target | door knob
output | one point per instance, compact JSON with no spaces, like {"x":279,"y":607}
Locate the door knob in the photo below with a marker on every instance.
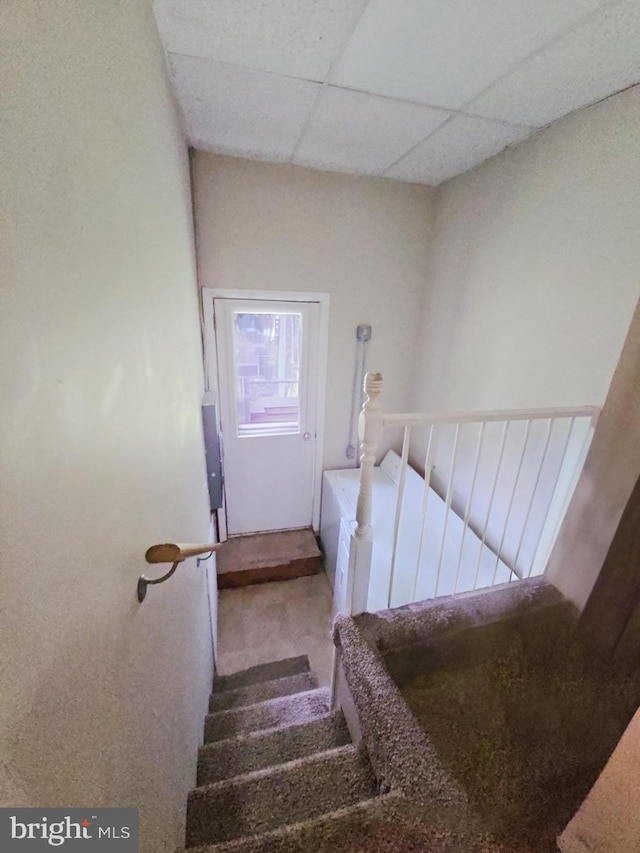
{"x":306,"y":436}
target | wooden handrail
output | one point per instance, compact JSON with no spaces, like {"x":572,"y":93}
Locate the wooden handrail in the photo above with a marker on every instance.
{"x":172,"y":553}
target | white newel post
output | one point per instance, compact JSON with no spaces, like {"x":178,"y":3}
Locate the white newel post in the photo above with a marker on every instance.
{"x":370,"y":428}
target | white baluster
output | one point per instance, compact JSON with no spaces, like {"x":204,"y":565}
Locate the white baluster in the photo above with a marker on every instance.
{"x":423,"y":513}
{"x":527,"y":433}
{"x":448,"y":501}
{"x":399,"y":501}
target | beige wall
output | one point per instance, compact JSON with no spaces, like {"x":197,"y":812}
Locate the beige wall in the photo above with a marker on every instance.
{"x":102,"y":700}
{"x":608,"y":821}
{"x":532,"y":283}
{"x":534,"y":268}
{"x":363,"y":240}
{"x":610,"y":473}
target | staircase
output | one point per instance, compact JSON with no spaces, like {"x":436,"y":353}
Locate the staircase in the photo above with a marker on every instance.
{"x":276,"y":760}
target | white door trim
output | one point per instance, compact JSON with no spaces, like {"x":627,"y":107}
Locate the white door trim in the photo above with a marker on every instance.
{"x":211,"y":366}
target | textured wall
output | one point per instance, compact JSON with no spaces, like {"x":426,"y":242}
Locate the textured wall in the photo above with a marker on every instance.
{"x":534,"y":268}
{"x":363,"y":240}
{"x":609,"y":820}
{"x":532,"y":283}
{"x":610,"y":473}
{"x":102,"y":700}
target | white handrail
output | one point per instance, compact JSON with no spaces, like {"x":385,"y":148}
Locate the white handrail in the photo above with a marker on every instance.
{"x":491,"y":520}
{"x":415,"y":419}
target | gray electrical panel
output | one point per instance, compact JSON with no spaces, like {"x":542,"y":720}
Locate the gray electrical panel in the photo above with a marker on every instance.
{"x":212,"y":450}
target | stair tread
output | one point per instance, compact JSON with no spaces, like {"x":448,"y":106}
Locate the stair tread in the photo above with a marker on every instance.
{"x":244,"y":753}
{"x":262,"y":672}
{"x":315,"y":827}
{"x":281,"y":711}
{"x":266,"y":550}
{"x":383,"y":823}
{"x":277,"y":701}
{"x":319,"y":757}
{"x":251,"y":694}
{"x":242,"y":737}
{"x":275,"y":796}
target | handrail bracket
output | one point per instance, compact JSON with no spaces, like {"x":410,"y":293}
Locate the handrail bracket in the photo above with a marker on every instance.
{"x":143,"y":582}
{"x":171,"y":553}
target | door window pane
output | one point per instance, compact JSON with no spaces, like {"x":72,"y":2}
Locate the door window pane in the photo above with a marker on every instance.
{"x":267,"y":378}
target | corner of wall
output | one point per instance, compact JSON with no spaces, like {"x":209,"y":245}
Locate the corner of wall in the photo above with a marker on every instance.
{"x":610,"y":472}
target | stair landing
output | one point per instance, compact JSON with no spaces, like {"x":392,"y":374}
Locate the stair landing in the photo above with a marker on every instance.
{"x":265,"y":557}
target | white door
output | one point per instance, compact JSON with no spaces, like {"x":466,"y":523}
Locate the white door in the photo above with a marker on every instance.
{"x":268,"y":377}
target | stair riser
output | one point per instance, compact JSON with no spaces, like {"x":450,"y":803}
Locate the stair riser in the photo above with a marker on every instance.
{"x":269,"y":574}
{"x":270,"y":799}
{"x":287,"y":711}
{"x":262,"y":672}
{"x":242,"y":696}
{"x":226,"y":759}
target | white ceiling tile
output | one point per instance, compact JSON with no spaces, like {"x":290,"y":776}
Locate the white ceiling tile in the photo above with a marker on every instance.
{"x":299,"y":38}
{"x":237,"y":111}
{"x":460,"y":144}
{"x":352,"y":131}
{"x":600,"y":57}
{"x":444,"y":52}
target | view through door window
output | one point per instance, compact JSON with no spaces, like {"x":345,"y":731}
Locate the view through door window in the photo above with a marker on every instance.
{"x":267,"y":349}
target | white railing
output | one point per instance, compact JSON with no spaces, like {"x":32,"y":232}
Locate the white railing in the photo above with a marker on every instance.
{"x":495,"y":490}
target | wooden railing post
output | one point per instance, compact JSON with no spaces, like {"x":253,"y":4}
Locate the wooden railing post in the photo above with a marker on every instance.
{"x":370,"y":428}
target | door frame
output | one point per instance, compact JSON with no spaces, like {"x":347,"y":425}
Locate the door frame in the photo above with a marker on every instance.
{"x":212,"y":381}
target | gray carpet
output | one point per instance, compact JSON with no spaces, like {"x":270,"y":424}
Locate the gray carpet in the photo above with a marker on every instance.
{"x":484,"y":712}
{"x":275,"y":757}
{"x":281,"y":711}
{"x":280,"y":775}
{"x":226,"y":700}
{"x":517,"y":719}
{"x":260,"y":673}
{"x":482,"y":730}
{"x":236,"y":756}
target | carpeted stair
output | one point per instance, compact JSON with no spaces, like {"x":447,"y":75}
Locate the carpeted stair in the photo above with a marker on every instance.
{"x":275,"y":759}
{"x":266,"y":557}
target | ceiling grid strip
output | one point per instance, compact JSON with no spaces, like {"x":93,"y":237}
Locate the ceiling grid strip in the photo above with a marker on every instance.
{"x":545,"y":46}
{"x":327,"y":79}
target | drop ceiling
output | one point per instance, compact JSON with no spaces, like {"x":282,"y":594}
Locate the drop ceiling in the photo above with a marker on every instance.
{"x":416,"y":90}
